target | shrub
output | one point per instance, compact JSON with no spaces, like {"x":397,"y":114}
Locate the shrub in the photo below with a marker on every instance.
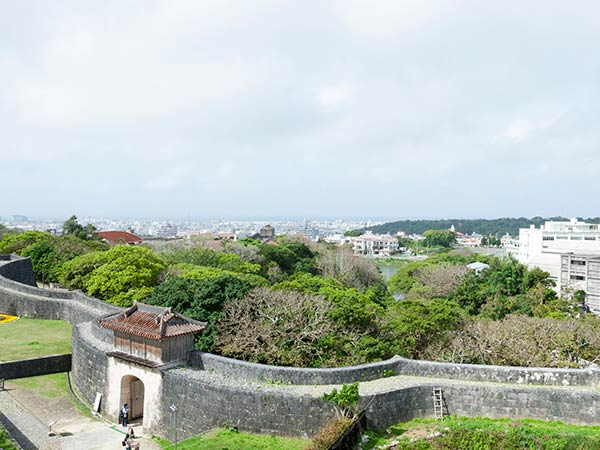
{"x":330,"y":433}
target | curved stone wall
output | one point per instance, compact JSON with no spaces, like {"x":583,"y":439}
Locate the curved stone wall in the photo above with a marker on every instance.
{"x":395,"y":366}
{"x":89,"y":364}
{"x":292,"y":375}
{"x":19,"y":269}
{"x":212,"y":390}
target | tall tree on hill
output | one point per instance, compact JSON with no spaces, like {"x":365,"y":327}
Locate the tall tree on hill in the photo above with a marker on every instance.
{"x":72,"y":226}
{"x":439,"y":238}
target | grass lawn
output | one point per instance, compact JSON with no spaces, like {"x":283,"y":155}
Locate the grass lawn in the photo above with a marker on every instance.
{"x":487,"y":434}
{"x":232,"y":440}
{"x":50,"y":386}
{"x":30,"y":338}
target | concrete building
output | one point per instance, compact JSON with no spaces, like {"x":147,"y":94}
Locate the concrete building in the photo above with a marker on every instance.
{"x":562,"y":249}
{"x":581,"y":272}
{"x":166,"y":230}
{"x":375,"y":244}
{"x":266,"y":233}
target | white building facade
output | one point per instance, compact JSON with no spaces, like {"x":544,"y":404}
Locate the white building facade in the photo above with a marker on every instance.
{"x":562,"y":249}
{"x":375,"y":244}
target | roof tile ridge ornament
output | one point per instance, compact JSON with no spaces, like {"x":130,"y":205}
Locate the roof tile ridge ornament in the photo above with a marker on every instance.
{"x":163,"y":324}
{"x":162,"y":320}
{"x":161,"y":316}
{"x":133,"y":308}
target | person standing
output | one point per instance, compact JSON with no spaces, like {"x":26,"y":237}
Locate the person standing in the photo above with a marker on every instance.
{"x":124,"y":415}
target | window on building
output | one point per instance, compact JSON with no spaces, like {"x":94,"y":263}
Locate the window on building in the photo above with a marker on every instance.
{"x":590,"y":238}
{"x":577,"y":277}
{"x":578,"y":263}
{"x":561,"y":237}
{"x":575,"y":238}
{"x":548,"y":238}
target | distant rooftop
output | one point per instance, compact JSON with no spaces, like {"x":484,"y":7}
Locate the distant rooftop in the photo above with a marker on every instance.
{"x":119,"y":237}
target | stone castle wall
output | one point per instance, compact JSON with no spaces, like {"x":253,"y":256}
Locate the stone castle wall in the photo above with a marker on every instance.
{"x":394,"y":366}
{"x":35,"y":366}
{"x":211,"y":390}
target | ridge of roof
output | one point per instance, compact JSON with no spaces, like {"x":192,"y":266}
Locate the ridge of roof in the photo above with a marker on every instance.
{"x":152,"y":322}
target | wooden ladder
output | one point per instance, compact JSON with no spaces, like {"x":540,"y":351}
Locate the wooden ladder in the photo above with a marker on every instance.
{"x":438,"y":403}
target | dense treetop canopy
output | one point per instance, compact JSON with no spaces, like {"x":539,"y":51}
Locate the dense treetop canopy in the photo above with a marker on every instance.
{"x":300,"y":303}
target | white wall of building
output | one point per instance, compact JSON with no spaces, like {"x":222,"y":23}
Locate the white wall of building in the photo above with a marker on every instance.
{"x":117,"y":369}
{"x":542,"y":247}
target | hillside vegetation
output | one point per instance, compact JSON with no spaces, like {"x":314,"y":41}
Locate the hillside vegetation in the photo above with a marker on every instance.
{"x":485,"y":227}
{"x":297,"y":303}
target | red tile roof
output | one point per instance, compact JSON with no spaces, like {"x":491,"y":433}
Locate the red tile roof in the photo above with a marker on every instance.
{"x":119,"y":237}
{"x":152,"y":322}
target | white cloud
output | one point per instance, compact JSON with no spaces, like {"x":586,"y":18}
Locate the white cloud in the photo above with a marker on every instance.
{"x":522,"y":129}
{"x":296,"y":105}
{"x":334,"y":96}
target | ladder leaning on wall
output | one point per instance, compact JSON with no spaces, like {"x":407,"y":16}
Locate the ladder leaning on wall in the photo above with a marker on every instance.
{"x":438,"y":403}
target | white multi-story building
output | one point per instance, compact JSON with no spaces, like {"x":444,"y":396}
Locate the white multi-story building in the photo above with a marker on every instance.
{"x":545,"y":247}
{"x":581,"y":272}
{"x":375,"y":244}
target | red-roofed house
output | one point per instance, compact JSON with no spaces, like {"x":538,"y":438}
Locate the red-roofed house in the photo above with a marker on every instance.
{"x":119,"y":237}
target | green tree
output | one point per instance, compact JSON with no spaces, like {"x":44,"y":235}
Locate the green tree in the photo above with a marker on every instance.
{"x":504,"y":278}
{"x":492,"y":241}
{"x":579,"y":296}
{"x":51,"y":252}
{"x":195,"y":272}
{"x":351,"y":307}
{"x":404,"y":280}
{"x":120,"y":275}
{"x":72,"y":226}
{"x":205,"y":257}
{"x":18,"y":241}
{"x":345,"y":400}
{"x":200,"y":299}
{"x":439,"y":238}
{"x":282,"y":257}
{"x":413,"y":325}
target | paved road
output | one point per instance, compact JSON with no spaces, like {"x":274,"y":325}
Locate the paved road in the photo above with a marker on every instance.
{"x":25,"y":420}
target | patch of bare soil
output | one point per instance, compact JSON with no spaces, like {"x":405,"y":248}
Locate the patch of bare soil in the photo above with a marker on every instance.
{"x":59,"y":410}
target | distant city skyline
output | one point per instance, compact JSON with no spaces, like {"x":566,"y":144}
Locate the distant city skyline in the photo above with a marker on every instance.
{"x":337,"y":109}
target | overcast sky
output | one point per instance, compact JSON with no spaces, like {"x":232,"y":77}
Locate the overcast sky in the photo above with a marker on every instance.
{"x":251,"y":109}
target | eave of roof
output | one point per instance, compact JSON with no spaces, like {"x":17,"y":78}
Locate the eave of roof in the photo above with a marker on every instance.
{"x":152,"y":322}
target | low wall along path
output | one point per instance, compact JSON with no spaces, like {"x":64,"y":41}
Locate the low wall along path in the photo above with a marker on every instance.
{"x":211,"y":390}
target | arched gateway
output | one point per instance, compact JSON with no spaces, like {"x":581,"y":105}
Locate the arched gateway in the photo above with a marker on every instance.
{"x":145,"y":339}
{"x":132,"y":393}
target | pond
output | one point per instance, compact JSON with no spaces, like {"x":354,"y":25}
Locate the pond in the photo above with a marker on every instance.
{"x":387,"y":270}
